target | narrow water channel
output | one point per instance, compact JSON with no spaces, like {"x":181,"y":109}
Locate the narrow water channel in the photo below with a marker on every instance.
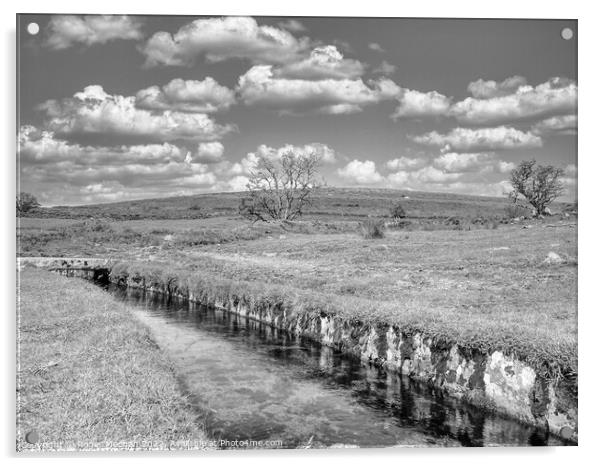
{"x":253,"y":382}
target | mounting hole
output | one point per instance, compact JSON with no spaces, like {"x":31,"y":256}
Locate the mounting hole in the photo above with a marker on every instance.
{"x":32,"y":437}
{"x":33,"y":28}
{"x":567,"y":33}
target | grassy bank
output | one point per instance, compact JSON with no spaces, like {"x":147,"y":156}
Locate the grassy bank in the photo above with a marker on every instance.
{"x":90,"y":374}
{"x":484,"y":289}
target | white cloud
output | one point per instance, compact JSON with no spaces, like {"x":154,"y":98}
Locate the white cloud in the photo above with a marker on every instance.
{"x":68,"y":30}
{"x":433,"y":180}
{"x":376,"y":47}
{"x":259,"y":86}
{"x":420,"y":178}
{"x":78,"y":173}
{"x":187,"y":96}
{"x":448,"y":172}
{"x":415,"y":104}
{"x":465,"y":139}
{"x":219,"y":39}
{"x":565,"y":124}
{"x":238,"y":183}
{"x":42,"y":147}
{"x":360,"y":172}
{"x":207,"y":152}
{"x":556,"y":96}
{"x":453,"y":162}
{"x":93,"y":111}
{"x":569,"y":180}
{"x":505,"y":167}
{"x":324,"y":62}
{"x":406,"y":163}
{"x":249,"y":162}
{"x":385,"y":68}
{"x":482,"y":89}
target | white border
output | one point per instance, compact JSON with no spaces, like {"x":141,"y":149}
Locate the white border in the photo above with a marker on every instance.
{"x":589,"y":228}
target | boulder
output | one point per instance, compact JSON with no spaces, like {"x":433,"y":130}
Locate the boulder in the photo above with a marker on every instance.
{"x":553,"y":258}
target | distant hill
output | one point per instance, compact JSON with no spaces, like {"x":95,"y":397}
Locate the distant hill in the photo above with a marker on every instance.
{"x":329,"y":203}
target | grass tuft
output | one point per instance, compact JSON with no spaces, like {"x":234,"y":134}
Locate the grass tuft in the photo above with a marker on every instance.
{"x":372,"y":229}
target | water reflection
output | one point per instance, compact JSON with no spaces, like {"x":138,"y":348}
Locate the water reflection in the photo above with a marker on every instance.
{"x":255,"y":382}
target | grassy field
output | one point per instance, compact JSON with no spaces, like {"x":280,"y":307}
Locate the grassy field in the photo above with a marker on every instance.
{"x":458,"y":267}
{"x":212,"y":219}
{"x":89,"y":373}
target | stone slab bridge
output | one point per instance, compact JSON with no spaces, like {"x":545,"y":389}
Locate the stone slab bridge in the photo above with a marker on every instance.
{"x":92,"y":268}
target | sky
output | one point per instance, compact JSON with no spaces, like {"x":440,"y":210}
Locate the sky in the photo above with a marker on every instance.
{"x":112,"y":108}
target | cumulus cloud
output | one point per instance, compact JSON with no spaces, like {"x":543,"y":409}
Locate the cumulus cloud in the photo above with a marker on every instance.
{"x":65,"y":31}
{"x":565,"y":124}
{"x":42,"y":147}
{"x":323,"y":63}
{"x":207,"y":152}
{"x":205,"y":96}
{"x":466,"y":139}
{"x":237,"y":183}
{"x":360,"y":172}
{"x":259,"y":86}
{"x":569,"y":180}
{"x":416,"y":104}
{"x":406,"y":163}
{"x":557,"y":96}
{"x":482,"y":89}
{"x":385,"y":68}
{"x":219,"y":39}
{"x":93,"y":111}
{"x":421,"y":174}
{"x":249,"y":162}
{"x":476,"y":188}
{"x":483,"y":181}
{"x":376,"y":47}
{"x":453,"y":162}
{"x":74,"y":172}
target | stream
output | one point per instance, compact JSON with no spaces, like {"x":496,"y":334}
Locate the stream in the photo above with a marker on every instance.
{"x":254,"y":382}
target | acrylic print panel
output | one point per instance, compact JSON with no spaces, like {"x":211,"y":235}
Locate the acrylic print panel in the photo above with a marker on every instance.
{"x":308,"y":232}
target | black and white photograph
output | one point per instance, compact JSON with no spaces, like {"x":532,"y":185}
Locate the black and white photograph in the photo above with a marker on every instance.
{"x":295,"y":232}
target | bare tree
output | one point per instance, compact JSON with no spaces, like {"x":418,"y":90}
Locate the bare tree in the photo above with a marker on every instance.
{"x":538,"y":184}
{"x":26,"y":202}
{"x":281,"y":188}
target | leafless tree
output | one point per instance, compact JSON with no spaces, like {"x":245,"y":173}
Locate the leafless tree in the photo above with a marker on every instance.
{"x":538,"y":184}
{"x":281,"y":188}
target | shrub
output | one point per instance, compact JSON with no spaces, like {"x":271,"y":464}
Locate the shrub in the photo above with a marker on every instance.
{"x":397,"y":211}
{"x":453,"y":222}
{"x":26,"y":202}
{"x":372,"y":229}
